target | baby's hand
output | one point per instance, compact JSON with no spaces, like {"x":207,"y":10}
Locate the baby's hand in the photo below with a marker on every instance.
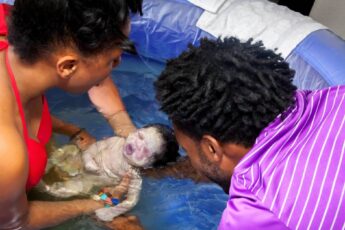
{"x":120,"y":190}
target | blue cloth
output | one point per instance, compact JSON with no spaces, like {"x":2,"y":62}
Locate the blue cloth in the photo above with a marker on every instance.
{"x":166,"y":28}
{"x":323,"y":54}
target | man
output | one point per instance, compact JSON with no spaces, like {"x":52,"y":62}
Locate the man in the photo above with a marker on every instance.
{"x":240,"y":120}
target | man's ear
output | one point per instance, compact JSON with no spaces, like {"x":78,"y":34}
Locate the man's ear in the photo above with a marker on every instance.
{"x":66,"y":66}
{"x":212,"y":148}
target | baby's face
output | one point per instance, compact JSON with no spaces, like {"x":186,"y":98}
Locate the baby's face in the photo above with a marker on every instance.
{"x":142,"y":146}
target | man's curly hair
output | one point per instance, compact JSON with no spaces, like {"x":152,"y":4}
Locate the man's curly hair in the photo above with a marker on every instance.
{"x":37,"y":28}
{"x":225,"y":88}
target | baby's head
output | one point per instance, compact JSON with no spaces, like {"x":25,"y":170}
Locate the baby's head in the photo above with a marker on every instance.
{"x":153,"y":145}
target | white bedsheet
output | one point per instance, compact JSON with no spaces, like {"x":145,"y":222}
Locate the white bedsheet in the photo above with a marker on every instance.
{"x":276,"y":26}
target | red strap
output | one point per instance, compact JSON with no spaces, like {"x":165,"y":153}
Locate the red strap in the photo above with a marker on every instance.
{"x":45,"y":129}
{"x":17,"y":95}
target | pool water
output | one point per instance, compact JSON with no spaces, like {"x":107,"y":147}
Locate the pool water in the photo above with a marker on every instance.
{"x":166,"y":203}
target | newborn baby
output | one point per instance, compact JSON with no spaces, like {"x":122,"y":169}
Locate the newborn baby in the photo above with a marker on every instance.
{"x":107,"y":161}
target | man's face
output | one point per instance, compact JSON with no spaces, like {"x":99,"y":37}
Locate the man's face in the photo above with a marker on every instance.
{"x":201,"y":162}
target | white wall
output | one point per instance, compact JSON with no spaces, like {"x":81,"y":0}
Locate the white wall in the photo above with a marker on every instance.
{"x":331,"y":13}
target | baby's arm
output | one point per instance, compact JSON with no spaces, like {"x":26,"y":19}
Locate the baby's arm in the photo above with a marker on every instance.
{"x":132,"y":184}
{"x":89,"y":157}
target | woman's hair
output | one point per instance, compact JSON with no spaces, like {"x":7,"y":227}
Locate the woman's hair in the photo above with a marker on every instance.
{"x":225,"y":88}
{"x":170,"y":148}
{"x":38,"y":27}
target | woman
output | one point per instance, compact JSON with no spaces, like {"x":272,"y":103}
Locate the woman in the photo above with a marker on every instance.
{"x":72,"y":45}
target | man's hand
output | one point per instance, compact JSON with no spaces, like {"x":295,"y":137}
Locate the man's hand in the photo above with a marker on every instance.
{"x":125,"y":223}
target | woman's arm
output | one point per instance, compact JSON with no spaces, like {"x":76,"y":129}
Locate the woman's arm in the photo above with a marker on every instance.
{"x":43,"y":214}
{"x":13,"y":176}
{"x":108,"y":102}
{"x":15,"y":210}
{"x":62,"y":127}
{"x":68,"y":129}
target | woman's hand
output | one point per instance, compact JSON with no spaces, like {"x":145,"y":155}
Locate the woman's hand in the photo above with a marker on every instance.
{"x":83,"y":139}
{"x":125,"y":223}
{"x":78,"y":136}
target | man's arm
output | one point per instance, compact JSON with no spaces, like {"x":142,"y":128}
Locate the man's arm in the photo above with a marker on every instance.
{"x":247,"y":213}
{"x":182,"y":169}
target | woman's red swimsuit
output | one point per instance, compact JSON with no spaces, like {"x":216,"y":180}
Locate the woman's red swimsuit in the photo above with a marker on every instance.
{"x":36,"y":149}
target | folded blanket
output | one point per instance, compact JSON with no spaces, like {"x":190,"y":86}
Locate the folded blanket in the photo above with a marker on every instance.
{"x":276,"y":26}
{"x":209,"y":5}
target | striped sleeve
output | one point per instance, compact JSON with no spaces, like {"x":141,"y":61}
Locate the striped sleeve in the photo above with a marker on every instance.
{"x":248,"y":213}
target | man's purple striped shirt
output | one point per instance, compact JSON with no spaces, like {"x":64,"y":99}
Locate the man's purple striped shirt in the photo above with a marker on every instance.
{"x":294,"y":176}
